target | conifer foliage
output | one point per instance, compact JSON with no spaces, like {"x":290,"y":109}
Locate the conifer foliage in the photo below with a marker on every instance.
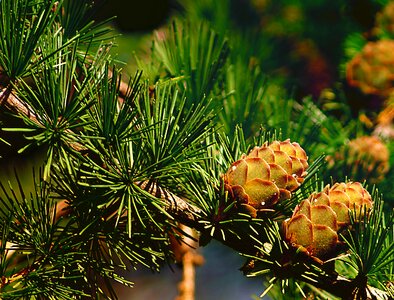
{"x":195,"y":137}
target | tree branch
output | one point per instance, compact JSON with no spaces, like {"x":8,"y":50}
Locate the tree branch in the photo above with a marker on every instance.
{"x":14,"y":104}
{"x":182,"y":209}
{"x":348,"y":289}
{"x":188,"y":214}
{"x":175,"y":205}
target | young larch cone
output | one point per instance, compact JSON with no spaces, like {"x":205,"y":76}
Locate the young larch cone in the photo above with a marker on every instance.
{"x":370,"y":156}
{"x":385,"y":120}
{"x":317,"y":220}
{"x":385,"y":21}
{"x":266,"y":175}
{"x":372,"y":70}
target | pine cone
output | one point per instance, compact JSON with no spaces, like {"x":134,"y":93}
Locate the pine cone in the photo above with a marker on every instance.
{"x":266,"y":175}
{"x":385,"y":21}
{"x":364,"y":158}
{"x":371,"y":155}
{"x":317,"y":220}
{"x":372,"y":70}
{"x":385,"y":121}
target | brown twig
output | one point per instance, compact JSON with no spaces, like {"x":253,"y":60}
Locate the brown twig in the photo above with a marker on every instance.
{"x":9,"y":100}
{"x":182,"y":209}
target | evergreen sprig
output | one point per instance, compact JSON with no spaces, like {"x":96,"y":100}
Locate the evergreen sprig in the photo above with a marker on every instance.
{"x":56,"y":257}
{"x":371,"y":243}
{"x":76,"y":19}
{"x":23,"y":23}
{"x":113,"y":119}
{"x":101,"y":215}
{"x":245,"y":90}
{"x":57,"y":104}
{"x":39,"y":258}
{"x":126,"y":163}
{"x":177,"y":131}
{"x":194,"y":53}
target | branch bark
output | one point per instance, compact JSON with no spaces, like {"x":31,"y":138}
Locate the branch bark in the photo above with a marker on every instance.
{"x":10,"y":101}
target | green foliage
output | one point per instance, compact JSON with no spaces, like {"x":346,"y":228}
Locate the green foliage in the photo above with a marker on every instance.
{"x":194,"y":53}
{"x":120,"y":157}
{"x":22,"y":25}
{"x":371,"y":244}
{"x":76,"y":19}
{"x":31,"y":233}
{"x":178,"y":130}
{"x":57,"y":103}
{"x":111,"y":121}
{"x":215,"y":12}
{"x":244,"y":88}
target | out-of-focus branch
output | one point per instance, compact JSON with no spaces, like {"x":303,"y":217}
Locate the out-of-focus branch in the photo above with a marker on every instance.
{"x":185,"y":252}
{"x":186,"y":287}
